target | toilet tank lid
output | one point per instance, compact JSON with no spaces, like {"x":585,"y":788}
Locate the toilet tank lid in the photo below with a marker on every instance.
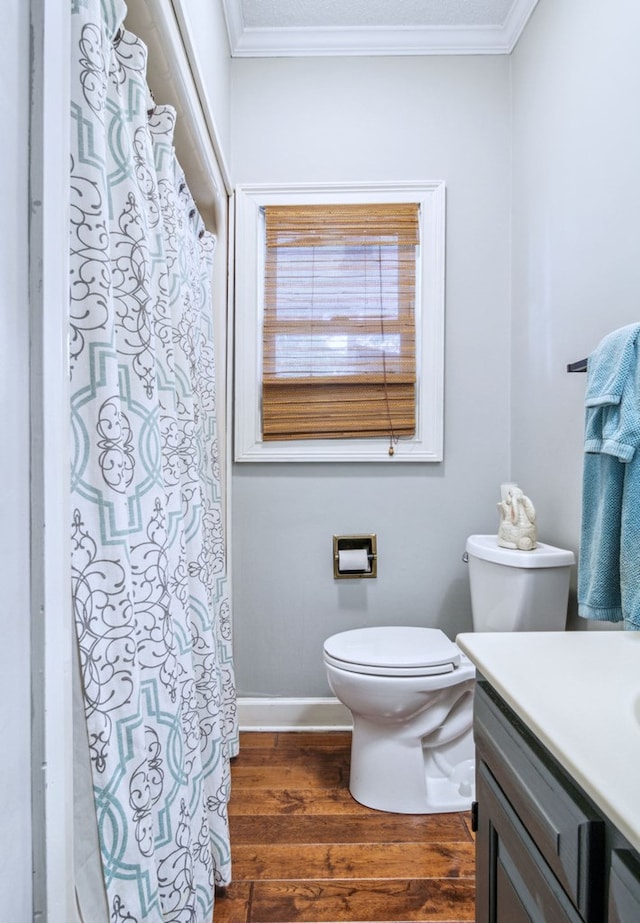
{"x":486,"y":547}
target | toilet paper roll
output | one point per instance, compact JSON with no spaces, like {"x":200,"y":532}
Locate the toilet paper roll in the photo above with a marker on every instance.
{"x":353,"y":559}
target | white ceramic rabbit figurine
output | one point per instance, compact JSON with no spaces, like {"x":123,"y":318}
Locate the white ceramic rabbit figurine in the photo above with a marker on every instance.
{"x":517,"y":520}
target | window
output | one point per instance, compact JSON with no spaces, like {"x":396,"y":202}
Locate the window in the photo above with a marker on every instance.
{"x":339,"y":323}
{"x":338,"y":357}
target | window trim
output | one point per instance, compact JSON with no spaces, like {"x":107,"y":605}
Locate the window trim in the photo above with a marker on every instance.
{"x":427,"y":444}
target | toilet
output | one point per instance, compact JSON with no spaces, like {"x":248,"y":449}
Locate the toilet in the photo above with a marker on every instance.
{"x":410,"y":689}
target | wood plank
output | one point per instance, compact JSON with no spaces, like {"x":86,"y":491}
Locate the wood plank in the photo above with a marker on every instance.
{"x":257,"y":801}
{"x":378,"y":828}
{"x":293,"y":740}
{"x":310,"y":773}
{"x":261,"y":739}
{"x":312,"y":801}
{"x":354,"y":861}
{"x":284,"y":756}
{"x":339,"y":740}
{"x":467,"y":823}
{"x":430,"y":901}
{"x":232,"y":905}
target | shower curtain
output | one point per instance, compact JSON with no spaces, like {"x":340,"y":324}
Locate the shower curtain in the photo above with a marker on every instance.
{"x":150,"y":595}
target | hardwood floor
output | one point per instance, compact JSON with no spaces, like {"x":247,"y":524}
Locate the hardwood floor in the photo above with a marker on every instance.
{"x":303,"y":851}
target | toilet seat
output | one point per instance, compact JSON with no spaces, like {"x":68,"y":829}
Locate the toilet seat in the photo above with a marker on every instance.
{"x":393,"y":651}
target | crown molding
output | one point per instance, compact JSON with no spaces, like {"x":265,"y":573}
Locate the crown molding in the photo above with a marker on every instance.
{"x":517,"y":19}
{"x":401,"y":40}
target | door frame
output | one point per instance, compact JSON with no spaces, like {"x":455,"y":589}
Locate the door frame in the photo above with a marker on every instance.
{"x":50,"y":568}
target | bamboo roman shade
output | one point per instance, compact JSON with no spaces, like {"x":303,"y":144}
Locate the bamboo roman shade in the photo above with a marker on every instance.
{"x":339,"y":354}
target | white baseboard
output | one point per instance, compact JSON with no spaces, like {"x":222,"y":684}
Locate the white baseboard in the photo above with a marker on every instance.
{"x":282,"y":714}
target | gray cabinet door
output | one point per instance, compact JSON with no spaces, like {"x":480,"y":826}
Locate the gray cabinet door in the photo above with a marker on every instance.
{"x":514,"y":883}
{"x":624,"y":888}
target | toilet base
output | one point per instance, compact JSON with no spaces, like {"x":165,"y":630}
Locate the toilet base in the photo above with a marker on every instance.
{"x":402,"y":773}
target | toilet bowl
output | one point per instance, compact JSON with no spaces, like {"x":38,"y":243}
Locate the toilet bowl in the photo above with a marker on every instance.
{"x":410,"y":692}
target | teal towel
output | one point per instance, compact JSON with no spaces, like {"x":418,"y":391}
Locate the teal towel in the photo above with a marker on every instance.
{"x":609,"y":563}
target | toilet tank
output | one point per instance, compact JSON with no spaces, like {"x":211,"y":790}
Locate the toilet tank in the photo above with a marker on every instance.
{"x":518,"y":590}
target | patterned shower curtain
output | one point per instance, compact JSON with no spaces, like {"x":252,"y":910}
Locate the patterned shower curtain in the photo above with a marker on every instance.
{"x":149,"y":575}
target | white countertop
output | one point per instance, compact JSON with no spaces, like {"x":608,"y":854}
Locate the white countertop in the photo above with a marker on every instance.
{"x":579,"y":692}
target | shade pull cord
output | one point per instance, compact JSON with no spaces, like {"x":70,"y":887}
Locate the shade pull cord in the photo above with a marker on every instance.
{"x":393,"y":439}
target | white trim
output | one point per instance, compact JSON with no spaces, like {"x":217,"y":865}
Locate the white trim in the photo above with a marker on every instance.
{"x":228,"y":391}
{"x":399,"y":40}
{"x":235,"y":22}
{"x":200,"y":110}
{"x":427,"y":444}
{"x":173,"y":77}
{"x":517,"y":19}
{"x":374,"y":41}
{"x":293,"y":714}
{"x":52,"y":631}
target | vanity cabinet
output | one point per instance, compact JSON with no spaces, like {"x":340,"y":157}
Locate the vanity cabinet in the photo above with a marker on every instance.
{"x":545,"y":853}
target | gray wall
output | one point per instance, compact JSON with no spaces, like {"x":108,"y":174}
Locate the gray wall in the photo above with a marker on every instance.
{"x":367,"y":119}
{"x":576,"y":233}
{"x":540,"y":154}
{"x":574,"y":79}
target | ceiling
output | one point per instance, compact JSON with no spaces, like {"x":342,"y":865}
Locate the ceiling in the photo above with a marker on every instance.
{"x":288,"y":28}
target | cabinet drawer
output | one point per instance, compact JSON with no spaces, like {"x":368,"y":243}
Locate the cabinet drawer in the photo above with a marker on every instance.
{"x":566,"y":830}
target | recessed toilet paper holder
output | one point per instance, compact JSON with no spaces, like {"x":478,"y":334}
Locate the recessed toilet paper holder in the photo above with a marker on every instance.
{"x":355,"y":556}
